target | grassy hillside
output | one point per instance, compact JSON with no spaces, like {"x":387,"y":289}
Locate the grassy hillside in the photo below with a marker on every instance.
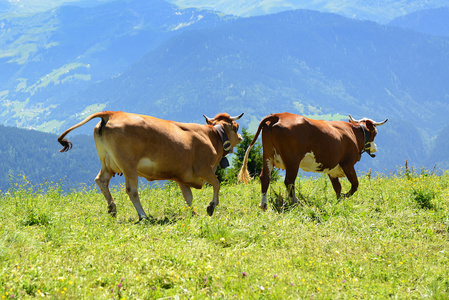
{"x":388,"y":241}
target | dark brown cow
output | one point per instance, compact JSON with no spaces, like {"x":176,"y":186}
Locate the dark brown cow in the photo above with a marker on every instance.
{"x":138,"y":145}
{"x":291,"y":142}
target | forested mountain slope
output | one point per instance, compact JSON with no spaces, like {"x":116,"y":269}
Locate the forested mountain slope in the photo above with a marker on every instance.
{"x":35,"y":155}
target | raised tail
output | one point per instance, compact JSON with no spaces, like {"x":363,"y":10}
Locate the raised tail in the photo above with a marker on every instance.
{"x":68,"y":145}
{"x":243,"y":175}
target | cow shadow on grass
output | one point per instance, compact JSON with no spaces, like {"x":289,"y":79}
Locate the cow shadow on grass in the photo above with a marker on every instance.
{"x":165,"y":220}
{"x":311,"y":207}
{"x":158,"y":221}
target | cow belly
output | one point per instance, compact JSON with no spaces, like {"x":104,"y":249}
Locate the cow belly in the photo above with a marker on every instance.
{"x":146,"y":164}
{"x":310,"y":164}
{"x":151,"y":170}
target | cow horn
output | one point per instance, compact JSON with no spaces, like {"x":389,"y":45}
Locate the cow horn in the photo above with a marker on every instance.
{"x":236,"y":118}
{"x":374,"y":123}
{"x":352,"y":119}
{"x":380,"y":123}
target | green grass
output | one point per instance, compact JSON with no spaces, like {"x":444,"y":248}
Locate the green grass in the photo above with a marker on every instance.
{"x":390,"y":240}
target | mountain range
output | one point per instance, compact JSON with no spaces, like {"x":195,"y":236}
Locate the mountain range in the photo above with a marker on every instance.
{"x":175,"y":62}
{"x":381,"y":11}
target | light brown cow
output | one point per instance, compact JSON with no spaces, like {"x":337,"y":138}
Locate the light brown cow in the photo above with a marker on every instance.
{"x":138,"y":145}
{"x":292,"y":141}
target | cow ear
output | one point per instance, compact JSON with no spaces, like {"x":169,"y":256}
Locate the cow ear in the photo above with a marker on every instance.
{"x":227,"y":126}
{"x":370,"y":125}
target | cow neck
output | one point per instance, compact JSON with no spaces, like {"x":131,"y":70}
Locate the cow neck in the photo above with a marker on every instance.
{"x":224,"y":139}
{"x":367,"y":141}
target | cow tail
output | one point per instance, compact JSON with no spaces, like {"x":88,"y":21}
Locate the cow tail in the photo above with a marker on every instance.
{"x":243,"y":175}
{"x":68,"y":145}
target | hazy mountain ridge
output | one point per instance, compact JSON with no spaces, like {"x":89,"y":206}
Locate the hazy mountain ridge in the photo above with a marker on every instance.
{"x":380,"y":11}
{"x":29,"y":7}
{"x":431,"y":21}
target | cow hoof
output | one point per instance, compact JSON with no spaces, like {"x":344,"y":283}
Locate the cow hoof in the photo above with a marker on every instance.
{"x":294,"y":205}
{"x":345,"y":196}
{"x":210,"y":209}
{"x":144,"y":220}
{"x":263,"y":206}
{"x":112,"y":212}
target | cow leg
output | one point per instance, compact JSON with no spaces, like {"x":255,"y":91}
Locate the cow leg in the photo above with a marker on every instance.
{"x":188,"y":196}
{"x":213,"y":180}
{"x":290,"y":177}
{"x":265,"y":177}
{"x":102,"y":180}
{"x":336,"y":185}
{"x":352,"y":178}
{"x":132,"y":181}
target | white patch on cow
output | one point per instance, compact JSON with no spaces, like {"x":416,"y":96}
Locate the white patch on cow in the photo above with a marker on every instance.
{"x":335,"y":172}
{"x":263,"y":201}
{"x":309,"y":163}
{"x":146,"y":164}
{"x":278,"y":163}
{"x":270,"y":166}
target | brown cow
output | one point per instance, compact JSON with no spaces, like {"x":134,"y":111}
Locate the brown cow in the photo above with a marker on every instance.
{"x":291,"y":142}
{"x":138,"y":145}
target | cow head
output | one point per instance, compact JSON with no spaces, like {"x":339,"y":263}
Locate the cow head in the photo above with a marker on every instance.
{"x":230,"y":126}
{"x":369,"y":131}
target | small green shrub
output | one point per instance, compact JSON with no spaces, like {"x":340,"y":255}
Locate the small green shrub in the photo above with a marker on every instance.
{"x":424,"y":198}
{"x":33,"y":218}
